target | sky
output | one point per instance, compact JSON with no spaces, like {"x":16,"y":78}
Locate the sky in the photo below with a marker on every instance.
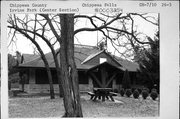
{"x":86,"y":38}
{"x":90,"y":38}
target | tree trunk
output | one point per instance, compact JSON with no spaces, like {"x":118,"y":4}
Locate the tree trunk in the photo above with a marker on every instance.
{"x":52,"y":95}
{"x":58,"y":76}
{"x":50,"y":80}
{"x":57,"y":67}
{"x":55,"y":57}
{"x":69,"y":75}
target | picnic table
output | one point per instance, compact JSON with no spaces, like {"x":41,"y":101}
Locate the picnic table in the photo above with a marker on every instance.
{"x":102,"y":93}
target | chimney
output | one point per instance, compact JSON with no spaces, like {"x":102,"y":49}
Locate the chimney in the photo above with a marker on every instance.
{"x":19,"y":57}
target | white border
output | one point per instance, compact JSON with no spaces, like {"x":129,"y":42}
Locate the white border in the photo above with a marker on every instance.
{"x":169,"y":49}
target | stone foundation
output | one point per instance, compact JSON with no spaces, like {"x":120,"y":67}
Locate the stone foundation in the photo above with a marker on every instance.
{"x":44,"y":88}
{"x":39,"y":88}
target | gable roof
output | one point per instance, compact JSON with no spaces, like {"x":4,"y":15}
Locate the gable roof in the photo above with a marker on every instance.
{"x":130,"y":66}
{"x":91,"y":56}
{"x":107,"y":63}
{"x":29,"y":57}
{"x":82,"y":54}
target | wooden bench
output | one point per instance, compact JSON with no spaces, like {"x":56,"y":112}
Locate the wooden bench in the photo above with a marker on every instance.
{"x":91,"y":94}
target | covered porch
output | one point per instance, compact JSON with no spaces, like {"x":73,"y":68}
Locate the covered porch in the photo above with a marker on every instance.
{"x":104,"y":75}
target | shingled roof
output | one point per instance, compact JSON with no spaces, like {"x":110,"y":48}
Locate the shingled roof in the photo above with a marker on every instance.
{"x":82,"y":54}
{"x":130,"y":66}
{"x":29,"y":57}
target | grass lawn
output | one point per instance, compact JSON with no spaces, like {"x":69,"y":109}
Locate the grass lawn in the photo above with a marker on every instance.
{"x":43,"y":106}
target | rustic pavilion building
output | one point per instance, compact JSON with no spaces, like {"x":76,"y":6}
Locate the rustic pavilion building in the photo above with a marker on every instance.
{"x":96,"y":68}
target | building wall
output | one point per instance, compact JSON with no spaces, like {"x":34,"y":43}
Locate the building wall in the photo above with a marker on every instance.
{"x":32,"y":87}
{"x":32,"y":76}
{"x":44,"y":88}
{"x":40,"y":88}
{"x":117,"y":86}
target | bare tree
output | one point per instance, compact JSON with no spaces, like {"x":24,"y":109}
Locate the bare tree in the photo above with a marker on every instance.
{"x":120,"y":30}
{"x":14,"y":26}
{"x":46,"y":23}
{"x":68,"y":67}
{"x":61,"y":30}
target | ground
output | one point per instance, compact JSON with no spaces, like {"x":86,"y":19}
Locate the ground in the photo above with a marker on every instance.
{"x":43,"y":106}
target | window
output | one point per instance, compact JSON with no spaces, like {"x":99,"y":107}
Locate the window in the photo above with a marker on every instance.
{"x":83,"y":79}
{"x":42,"y":77}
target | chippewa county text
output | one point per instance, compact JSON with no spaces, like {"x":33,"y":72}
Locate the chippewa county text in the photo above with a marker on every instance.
{"x":34,"y":7}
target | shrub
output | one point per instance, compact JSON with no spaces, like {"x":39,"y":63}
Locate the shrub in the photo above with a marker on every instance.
{"x":139,"y":90}
{"x":147,"y":89}
{"x":122,"y":92}
{"x":154,"y":95}
{"x":128,"y":92}
{"x":153,"y":90}
{"x":145,"y":94}
{"x":133,"y":89}
{"x":136,"y":94}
